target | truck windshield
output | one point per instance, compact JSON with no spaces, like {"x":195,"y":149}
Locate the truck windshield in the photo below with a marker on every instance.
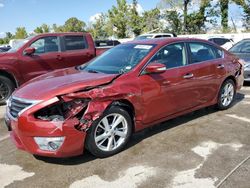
{"x":120,"y":59}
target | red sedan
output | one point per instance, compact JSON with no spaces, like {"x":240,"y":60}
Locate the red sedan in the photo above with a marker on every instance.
{"x":135,"y":85}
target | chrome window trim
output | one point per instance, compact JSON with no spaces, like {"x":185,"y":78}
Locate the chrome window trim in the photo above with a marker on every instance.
{"x":187,"y":63}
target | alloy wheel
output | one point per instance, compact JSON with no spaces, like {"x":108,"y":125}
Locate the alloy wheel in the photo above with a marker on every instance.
{"x":227,"y":94}
{"x":111,"y":132}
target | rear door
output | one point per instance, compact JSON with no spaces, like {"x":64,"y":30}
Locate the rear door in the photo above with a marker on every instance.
{"x":204,"y":65}
{"x":45,"y":59}
{"x":76,"y":50}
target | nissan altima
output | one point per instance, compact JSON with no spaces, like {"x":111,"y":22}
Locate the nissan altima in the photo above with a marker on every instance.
{"x":99,"y":105}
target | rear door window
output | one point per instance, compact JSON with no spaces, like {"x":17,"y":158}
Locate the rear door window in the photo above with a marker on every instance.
{"x":75,"y":43}
{"x":202,"y":52}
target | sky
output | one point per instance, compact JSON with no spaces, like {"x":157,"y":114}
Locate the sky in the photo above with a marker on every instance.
{"x":33,"y":13}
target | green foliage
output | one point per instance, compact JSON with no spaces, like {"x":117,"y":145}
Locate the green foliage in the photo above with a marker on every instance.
{"x":151,"y":20}
{"x":119,"y":17}
{"x":135,"y":20}
{"x":44,"y":28}
{"x":101,"y":28}
{"x":74,"y":25}
{"x":21,"y":33}
{"x":174,"y":19}
{"x":224,"y":14}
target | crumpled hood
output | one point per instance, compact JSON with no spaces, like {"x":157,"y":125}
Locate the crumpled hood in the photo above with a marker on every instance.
{"x":61,"y":82}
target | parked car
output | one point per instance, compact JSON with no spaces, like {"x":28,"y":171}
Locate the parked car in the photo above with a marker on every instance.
{"x":4,"y":49}
{"x":106,"y":43}
{"x":132,"y":86}
{"x":223,"y":42}
{"x":242,"y":50}
{"x":155,"y":35}
{"x":41,"y":54}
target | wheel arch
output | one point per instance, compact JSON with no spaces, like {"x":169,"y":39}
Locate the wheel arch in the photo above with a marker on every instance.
{"x":128,"y":106}
{"x":10,"y":76}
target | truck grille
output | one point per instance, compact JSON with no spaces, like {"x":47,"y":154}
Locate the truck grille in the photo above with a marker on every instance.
{"x":17,"y":105}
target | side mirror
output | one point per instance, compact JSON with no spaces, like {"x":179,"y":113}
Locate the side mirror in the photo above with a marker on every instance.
{"x":29,"y":51}
{"x":154,"y":68}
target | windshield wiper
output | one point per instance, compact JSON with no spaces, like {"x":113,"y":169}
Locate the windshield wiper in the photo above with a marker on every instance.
{"x":93,"y":71}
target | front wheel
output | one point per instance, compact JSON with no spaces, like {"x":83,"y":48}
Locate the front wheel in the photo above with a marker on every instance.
{"x":6,"y":89}
{"x":226,"y":95}
{"x":110,"y":133}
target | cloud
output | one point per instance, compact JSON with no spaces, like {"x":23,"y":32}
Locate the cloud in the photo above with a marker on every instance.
{"x":95,"y":17}
{"x":1,"y":5}
{"x":2,"y":35}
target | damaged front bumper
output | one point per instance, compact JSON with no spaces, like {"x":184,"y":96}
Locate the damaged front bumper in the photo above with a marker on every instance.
{"x":62,"y":136}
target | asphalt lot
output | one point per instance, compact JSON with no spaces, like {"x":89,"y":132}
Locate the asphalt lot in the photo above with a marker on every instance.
{"x":195,"y":150}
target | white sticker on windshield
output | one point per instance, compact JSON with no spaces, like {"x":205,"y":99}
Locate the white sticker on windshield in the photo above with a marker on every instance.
{"x":143,"y":47}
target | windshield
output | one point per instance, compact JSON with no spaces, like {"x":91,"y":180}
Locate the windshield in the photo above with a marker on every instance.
{"x":118,"y":60}
{"x":19,"y":43}
{"x":241,"y":47}
{"x":143,"y":37}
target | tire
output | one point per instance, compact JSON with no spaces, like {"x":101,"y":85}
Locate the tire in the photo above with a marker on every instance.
{"x":6,"y":89}
{"x":104,"y":141}
{"x":226,"y":95}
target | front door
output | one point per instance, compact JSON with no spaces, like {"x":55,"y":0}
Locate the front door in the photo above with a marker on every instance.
{"x":46,"y":58}
{"x":172,"y":91}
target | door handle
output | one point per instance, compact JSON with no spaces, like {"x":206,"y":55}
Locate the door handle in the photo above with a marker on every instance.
{"x":188,"y":76}
{"x":59,"y":57}
{"x":220,"y":66}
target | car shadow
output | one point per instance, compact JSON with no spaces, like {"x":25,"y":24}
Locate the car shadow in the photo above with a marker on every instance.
{"x":140,"y":136}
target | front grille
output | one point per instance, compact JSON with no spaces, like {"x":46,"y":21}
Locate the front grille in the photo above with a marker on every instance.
{"x":17,"y":105}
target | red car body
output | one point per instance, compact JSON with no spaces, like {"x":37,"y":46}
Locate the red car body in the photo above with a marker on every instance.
{"x":151,"y":98}
{"x":18,"y":67}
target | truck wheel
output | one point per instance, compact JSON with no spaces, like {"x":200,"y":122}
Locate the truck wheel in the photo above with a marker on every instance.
{"x":110,"y":133}
{"x":6,"y":89}
{"x":226,"y":95}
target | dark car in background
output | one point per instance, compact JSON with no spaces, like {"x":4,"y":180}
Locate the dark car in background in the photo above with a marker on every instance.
{"x":225,"y":43}
{"x":4,"y":48}
{"x":106,"y":43}
{"x":242,"y":50}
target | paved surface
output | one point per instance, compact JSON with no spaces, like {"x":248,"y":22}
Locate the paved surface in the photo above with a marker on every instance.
{"x":196,"y":150}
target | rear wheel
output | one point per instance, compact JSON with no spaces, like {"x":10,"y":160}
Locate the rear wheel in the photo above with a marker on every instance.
{"x":110,"y":133}
{"x":226,"y":95}
{"x":6,"y":89}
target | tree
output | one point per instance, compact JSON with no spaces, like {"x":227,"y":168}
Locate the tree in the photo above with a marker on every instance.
{"x":44,"y":28}
{"x":119,"y":17}
{"x":135,"y":20}
{"x":174,"y":21}
{"x":151,"y":20}
{"x":21,"y":33}
{"x":57,"y":29}
{"x":74,"y":25}
{"x":100,"y":28}
{"x":224,"y":14}
{"x":245,"y":4}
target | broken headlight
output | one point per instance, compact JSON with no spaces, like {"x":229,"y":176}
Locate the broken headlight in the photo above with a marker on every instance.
{"x":62,"y":110}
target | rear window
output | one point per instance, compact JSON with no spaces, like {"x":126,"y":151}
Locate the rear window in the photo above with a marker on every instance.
{"x":202,"y":52}
{"x":75,"y":43}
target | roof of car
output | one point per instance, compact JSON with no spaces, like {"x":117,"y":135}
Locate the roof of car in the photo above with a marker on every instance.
{"x":163,"y":41}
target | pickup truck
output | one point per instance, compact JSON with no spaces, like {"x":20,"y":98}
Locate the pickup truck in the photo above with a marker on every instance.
{"x":41,"y":54}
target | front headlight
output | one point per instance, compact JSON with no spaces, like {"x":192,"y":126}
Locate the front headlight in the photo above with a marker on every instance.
{"x":61,"y":110}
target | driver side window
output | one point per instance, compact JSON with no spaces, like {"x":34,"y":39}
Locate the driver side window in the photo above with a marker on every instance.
{"x":173,"y":55}
{"x":46,"y":45}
